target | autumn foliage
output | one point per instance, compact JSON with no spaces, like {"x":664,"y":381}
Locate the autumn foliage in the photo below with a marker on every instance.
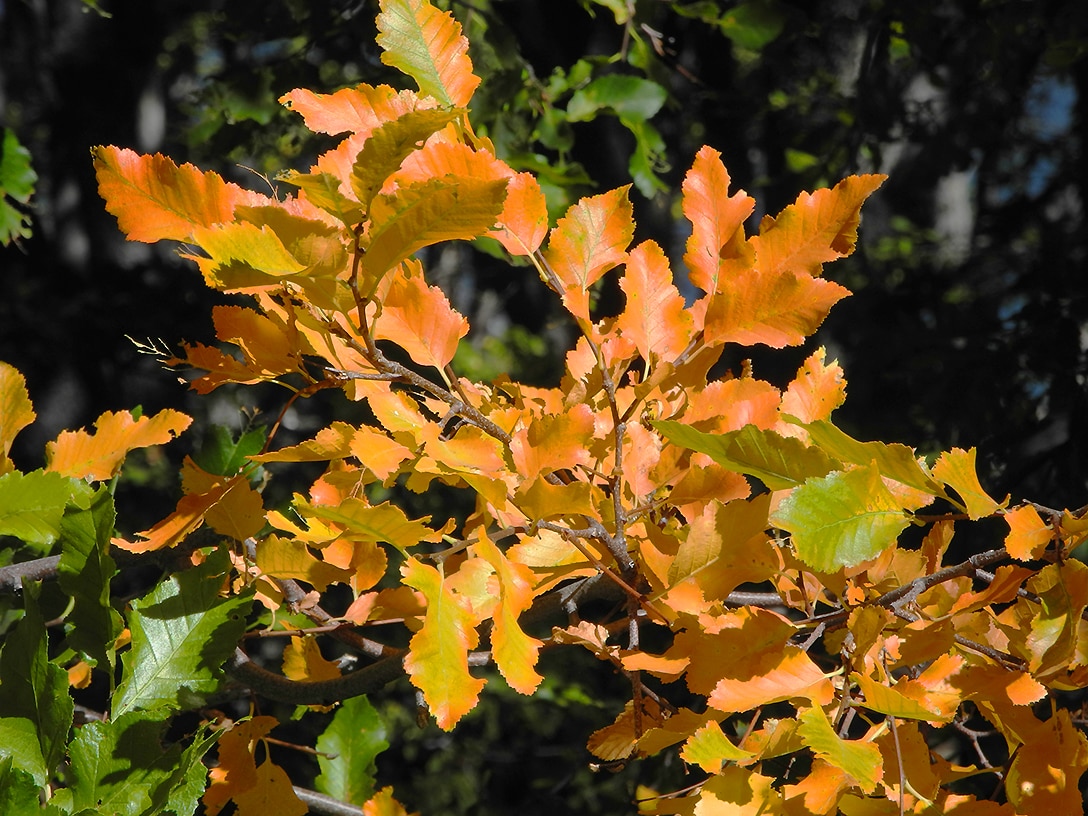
{"x":817,"y":644}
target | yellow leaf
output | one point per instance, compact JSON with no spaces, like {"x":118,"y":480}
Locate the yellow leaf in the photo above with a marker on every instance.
{"x":816,"y":391}
{"x":288,"y":558}
{"x":515,"y":653}
{"x":333,"y":442}
{"x":99,"y":455}
{"x":1044,"y":774}
{"x":16,"y":411}
{"x":236,"y":770}
{"x":1028,"y":533}
{"x":272,"y":793}
{"x":302,"y":660}
{"x":860,"y":759}
{"x":437,"y":661}
{"x":739,"y":791}
{"x":956,"y":468}
{"x":710,"y":748}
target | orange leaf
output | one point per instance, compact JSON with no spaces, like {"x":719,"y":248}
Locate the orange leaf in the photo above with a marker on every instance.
{"x":16,"y":411}
{"x":817,"y":228}
{"x":419,"y":318}
{"x":524,"y":219}
{"x":333,"y":442}
{"x":816,"y":391}
{"x":1028,"y":533}
{"x":153,"y":199}
{"x":99,"y":456}
{"x":553,"y":442}
{"x":956,"y":468}
{"x":1044,"y":774}
{"x":236,"y":771}
{"x":437,"y":661}
{"x":356,"y":110}
{"x":383,"y":804}
{"x":239,"y":512}
{"x":515,"y":653}
{"x":427,"y":45}
{"x":272,"y":793}
{"x":588,"y":241}
{"x":655,"y":318}
{"x":717,"y":219}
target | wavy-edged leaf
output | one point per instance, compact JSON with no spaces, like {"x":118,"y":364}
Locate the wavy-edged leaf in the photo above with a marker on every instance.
{"x":356,"y":110}
{"x":515,"y":652}
{"x":35,"y":689}
{"x":861,"y":760}
{"x":17,"y":180}
{"x":286,"y":558}
{"x":390,"y":144}
{"x":777,"y":461}
{"x":588,"y":241}
{"x":99,"y":456}
{"x":154,"y":200}
{"x":819,"y":227}
{"x":1028,"y":534}
{"x":419,"y":318}
{"x":382,"y":522}
{"x":717,"y":219}
{"x":347,"y":750}
{"x":182,"y":633}
{"x":956,"y":468}
{"x":16,"y":411}
{"x":655,"y":318}
{"x":333,"y":442}
{"x":524,"y":220}
{"x":817,"y":390}
{"x":710,"y":748}
{"x":437,"y":661}
{"x":553,"y":442}
{"x":841,"y":519}
{"x":448,"y":209}
{"x":427,"y":45}
{"x":32,"y":505}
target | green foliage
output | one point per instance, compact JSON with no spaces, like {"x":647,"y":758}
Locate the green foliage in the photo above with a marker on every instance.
{"x":17,"y":180}
{"x":349,"y":748}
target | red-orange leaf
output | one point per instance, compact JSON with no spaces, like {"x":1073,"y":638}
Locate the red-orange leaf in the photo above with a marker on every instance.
{"x":427,"y":45}
{"x":717,"y":219}
{"x":420,"y":319}
{"x":588,"y":241}
{"x":437,"y":661}
{"x":153,"y":199}
{"x":817,"y":228}
{"x":655,"y":318}
{"x":99,"y":456}
{"x":524,"y":219}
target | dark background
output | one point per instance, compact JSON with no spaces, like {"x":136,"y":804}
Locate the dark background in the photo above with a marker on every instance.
{"x":968,"y":323}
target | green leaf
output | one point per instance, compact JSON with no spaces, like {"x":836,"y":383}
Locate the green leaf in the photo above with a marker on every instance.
{"x":629,"y":97}
{"x":777,"y":461}
{"x":348,"y":749}
{"x":182,"y":632}
{"x":19,"y":747}
{"x":120,"y":766}
{"x":418,"y":215}
{"x":754,"y":24}
{"x":19,"y":791}
{"x":220,"y":453}
{"x":390,"y":144}
{"x":17,"y":180}
{"x":841,"y":519}
{"x":32,"y":505}
{"x":84,"y":573}
{"x":861,"y":760}
{"x":33,"y":688}
{"x":894,"y":461}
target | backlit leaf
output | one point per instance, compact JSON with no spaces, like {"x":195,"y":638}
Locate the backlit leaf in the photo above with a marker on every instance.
{"x":655,"y":318}
{"x":524,"y":219}
{"x":709,"y":748}
{"x":347,"y":750}
{"x":1028,"y":534}
{"x":154,"y":200}
{"x":286,"y":558}
{"x":383,"y":522}
{"x":1044,"y":774}
{"x":816,"y":391}
{"x":515,"y":653}
{"x":778,"y":461}
{"x":553,"y":443}
{"x":841,"y":519}
{"x":427,"y":45}
{"x":98,"y":456}
{"x":437,"y":661}
{"x":302,"y":660}
{"x":861,"y":760}
{"x":418,"y":215}
{"x":588,"y":241}
{"x":420,"y":319}
{"x":182,"y":633}
{"x":956,"y":468}
{"x":356,"y":110}
{"x":16,"y":411}
{"x":817,"y":228}
{"x":717,"y":219}
{"x":32,"y":505}
{"x":333,"y":442}
{"x":17,"y":180}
